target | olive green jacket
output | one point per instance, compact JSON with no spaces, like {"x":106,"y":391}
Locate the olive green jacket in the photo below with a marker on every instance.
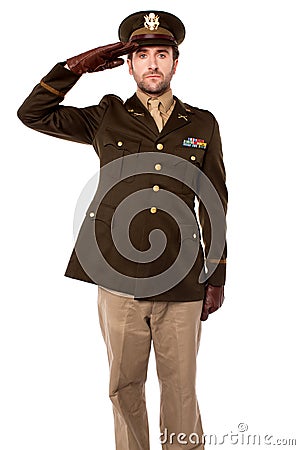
{"x":140,"y":234}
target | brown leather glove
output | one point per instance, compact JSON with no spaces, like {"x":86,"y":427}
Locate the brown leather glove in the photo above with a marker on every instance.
{"x":100,"y":58}
{"x":214,"y":297}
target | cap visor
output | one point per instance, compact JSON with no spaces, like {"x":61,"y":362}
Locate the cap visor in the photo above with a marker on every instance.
{"x":146,"y":42}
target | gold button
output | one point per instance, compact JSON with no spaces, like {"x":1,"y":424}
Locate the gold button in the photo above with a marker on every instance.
{"x":120,"y":143}
{"x":157,"y":166}
{"x":92,"y":214}
{"x":153,"y":210}
{"x":194,"y":235}
{"x":193,"y":157}
{"x":155,"y":188}
{"x":160,"y":146}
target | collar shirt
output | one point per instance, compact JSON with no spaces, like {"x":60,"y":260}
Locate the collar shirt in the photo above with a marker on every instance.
{"x":166,"y":100}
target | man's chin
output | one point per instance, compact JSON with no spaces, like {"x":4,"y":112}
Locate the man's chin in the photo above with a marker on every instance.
{"x":153,"y":89}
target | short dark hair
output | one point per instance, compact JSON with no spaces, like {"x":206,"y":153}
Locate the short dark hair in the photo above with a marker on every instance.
{"x":175,"y":53}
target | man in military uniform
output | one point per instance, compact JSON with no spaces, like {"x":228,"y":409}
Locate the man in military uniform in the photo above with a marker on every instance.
{"x":156,"y":154}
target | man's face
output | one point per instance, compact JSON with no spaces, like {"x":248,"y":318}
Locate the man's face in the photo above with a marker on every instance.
{"x":153,"y":68}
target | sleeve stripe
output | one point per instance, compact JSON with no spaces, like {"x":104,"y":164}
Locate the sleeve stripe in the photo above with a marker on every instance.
{"x":51,"y":89}
{"x":217,"y":261}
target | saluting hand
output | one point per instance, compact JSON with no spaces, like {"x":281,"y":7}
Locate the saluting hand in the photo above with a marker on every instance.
{"x":101,"y":58}
{"x":214,"y":298}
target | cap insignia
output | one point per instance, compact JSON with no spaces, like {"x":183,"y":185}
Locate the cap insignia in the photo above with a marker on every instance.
{"x":151,"y":22}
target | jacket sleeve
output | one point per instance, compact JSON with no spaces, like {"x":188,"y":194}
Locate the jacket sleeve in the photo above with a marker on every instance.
{"x":213,"y":168}
{"x":42,"y":111}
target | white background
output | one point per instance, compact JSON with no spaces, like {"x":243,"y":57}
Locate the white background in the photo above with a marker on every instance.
{"x":240,"y":60}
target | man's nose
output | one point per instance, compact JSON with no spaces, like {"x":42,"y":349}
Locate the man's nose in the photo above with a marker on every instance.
{"x":152,"y":62}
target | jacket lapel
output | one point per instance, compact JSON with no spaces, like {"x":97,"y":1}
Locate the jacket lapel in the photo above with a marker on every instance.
{"x":179,"y":118}
{"x":137,"y":110}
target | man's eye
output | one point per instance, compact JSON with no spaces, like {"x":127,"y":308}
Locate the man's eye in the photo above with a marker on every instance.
{"x":143,"y":55}
{"x":162,"y":55}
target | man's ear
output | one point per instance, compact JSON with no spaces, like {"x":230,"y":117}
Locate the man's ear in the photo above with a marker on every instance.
{"x":129,"y":62}
{"x":175,"y":64}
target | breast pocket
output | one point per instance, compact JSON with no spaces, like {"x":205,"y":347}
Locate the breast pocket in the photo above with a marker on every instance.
{"x":115,"y":147}
{"x":186,"y":167}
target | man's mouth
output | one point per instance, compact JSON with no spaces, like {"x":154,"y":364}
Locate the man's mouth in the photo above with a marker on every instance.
{"x":153,"y":76}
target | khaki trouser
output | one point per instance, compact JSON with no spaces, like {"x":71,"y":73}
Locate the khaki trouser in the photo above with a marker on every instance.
{"x":127,"y":326}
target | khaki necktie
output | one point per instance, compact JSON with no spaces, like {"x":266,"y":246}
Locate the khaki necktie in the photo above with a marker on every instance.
{"x":155,"y":113}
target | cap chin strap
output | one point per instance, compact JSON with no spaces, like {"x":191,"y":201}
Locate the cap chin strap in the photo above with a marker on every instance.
{"x":153,"y":36}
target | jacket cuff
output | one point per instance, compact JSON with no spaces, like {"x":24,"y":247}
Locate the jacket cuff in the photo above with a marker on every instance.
{"x":218,"y":272}
{"x":59,"y":80}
